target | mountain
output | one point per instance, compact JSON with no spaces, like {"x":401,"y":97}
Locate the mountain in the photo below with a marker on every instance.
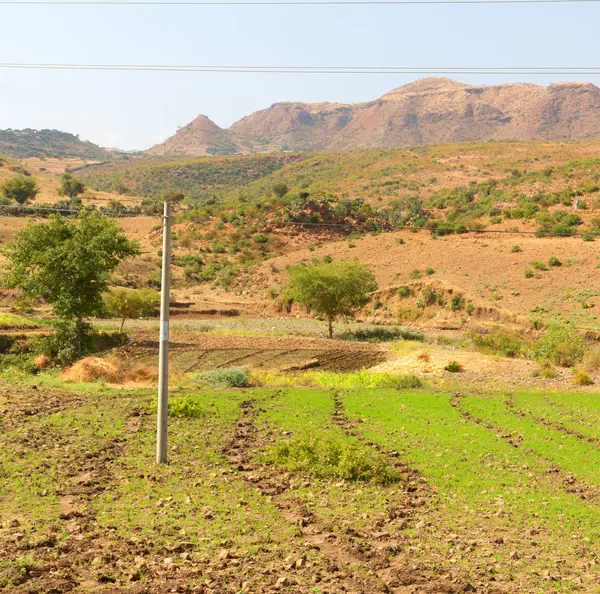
{"x":428,"y":111}
{"x":21,"y":144}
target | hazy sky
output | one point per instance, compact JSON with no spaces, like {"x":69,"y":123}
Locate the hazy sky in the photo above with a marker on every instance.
{"x":137,"y":109}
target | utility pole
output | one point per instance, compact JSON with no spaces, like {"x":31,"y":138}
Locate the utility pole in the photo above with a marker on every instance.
{"x":163,"y":352}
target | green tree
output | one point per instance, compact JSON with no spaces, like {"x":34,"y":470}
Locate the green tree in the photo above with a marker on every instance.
{"x":70,"y":186}
{"x":68,"y":264}
{"x":333,"y":290}
{"x":280,"y":189}
{"x":20,"y":188}
{"x":131,"y":303}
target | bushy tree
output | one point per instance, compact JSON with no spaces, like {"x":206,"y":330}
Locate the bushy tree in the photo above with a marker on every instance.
{"x":20,"y":188}
{"x":131,"y":303}
{"x":70,"y":186}
{"x":280,"y":189}
{"x":333,"y":290}
{"x":68,"y":263}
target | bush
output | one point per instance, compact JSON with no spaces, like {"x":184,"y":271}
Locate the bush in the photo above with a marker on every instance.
{"x":457,"y":303}
{"x":233,"y":377}
{"x":539,"y":266}
{"x":131,"y":303}
{"x":529,"y":273}
{"x":454,"y":367}
{"x":332,"y":457}
{"x":560,"y":346}
{"x":591,"y":361}
{"x":186,"y":406}
{"x":516,"y":249}
{"x":581,"y":378}
{"x":415,"y":274}
{"x":69,"y":341}
{"x":382,"y":334}
{"x":504,"y":343}
{"x":404,"y":292}
{"x":554,"y":261}
{"x":20,"y":188}
{"x":260,"y":238}
{"x":429,"y":271}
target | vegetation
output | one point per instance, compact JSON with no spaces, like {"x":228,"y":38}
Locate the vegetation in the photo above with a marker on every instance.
{"x":234,"y":377}
{"x":333,"y":290}
{"x":560,"y":346}
{"x":20,"y":188}
{"x":131,"y":303}
{"x":69,"y":265}
{"x":70,"y":186}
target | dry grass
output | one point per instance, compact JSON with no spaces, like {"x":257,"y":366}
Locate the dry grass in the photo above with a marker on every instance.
{"x":112,"y":370}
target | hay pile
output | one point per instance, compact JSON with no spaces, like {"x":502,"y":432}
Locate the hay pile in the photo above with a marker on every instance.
{"x":112,"y":370}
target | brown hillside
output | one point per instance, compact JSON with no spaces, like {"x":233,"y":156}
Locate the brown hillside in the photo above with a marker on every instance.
{"x":428,"y":111}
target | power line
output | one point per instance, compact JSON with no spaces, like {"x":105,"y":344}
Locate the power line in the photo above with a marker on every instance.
{"x":283,"y":3}
{"x":542,"y":70}
{"x":24,"y":210}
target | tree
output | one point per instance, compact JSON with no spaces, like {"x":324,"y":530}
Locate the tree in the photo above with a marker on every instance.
{"x":131,"y":303}
{"x":280,"y":189}
{"x":70,"y":186}
{"x":337,"y":289}
{"x":68,"y":263}
{"x":20,"y":188}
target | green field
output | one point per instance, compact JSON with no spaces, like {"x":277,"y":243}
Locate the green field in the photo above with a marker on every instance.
{"x":300,"y":490}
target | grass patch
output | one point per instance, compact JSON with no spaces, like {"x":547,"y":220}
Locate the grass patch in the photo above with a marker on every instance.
{"x":329,"y":379}
{"x":454,"y":367}
{"x":332,"y":457}
{"x":500,"y":343}
{"x":11,"y":322}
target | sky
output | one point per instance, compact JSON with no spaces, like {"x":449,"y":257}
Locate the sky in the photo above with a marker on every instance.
{"x":134,"y":110}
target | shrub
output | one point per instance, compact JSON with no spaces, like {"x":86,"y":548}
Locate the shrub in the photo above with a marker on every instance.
{"x":415,"y":274}
{"x":539,"y":266}
{"x":404,"y":292}
{"x":504,"y":343}
{"x":457,"y":303}
{"x":260,"y":238}
{"x":529,"y":273}
{"x":561,"y":346}
{"x":61,"y":347}
{"x":516,"y":249}
{"x":332,"y":457}
{"x":20,"y":188}
{"x":554,"y":261}
{"x":469,"y":308}
{"x":429,"y":271}
{"x":581,"y":378}
{"x":233,"y":377}
{"x":382,"y":334}
{"x":186,"y":406}
{"x":591,"y":361}
{"x":454,"y":367}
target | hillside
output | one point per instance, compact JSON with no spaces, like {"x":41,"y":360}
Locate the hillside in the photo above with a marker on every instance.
{"x":21,"y":144}
{"x":198,"y":178}
{"x":428,"y":111}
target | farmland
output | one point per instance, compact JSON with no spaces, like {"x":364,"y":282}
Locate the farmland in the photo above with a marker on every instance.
{"x":297,"y":489}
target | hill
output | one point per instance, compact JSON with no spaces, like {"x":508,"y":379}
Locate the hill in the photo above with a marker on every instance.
{"x":428,"y":111}
{"x":198,"y":178}
{"x":22,"y":144}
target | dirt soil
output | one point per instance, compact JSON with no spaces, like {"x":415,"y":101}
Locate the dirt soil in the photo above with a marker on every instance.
{"x":194,"y":351}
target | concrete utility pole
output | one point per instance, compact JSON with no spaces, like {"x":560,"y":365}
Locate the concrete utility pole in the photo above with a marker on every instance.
{"x":163,"y":353}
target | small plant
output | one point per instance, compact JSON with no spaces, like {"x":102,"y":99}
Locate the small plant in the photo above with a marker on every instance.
{"x":529,"y":273}
{"x":429,"y":271}
{"x":581,"y":378}
{"x":554,"y":261}
{"x":516,"y":249}
{"x":400,"y":241}
{"x":233,"y":377}
{"x":404,"y":292}
{"x":415,"y":274}
{"x":332,"y":457}
{"x":188,"y":406}
{"x":454,"y":367}
{"x":457,"y":303}
{"x":469,"y":308}
{"x":539,"y":265}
